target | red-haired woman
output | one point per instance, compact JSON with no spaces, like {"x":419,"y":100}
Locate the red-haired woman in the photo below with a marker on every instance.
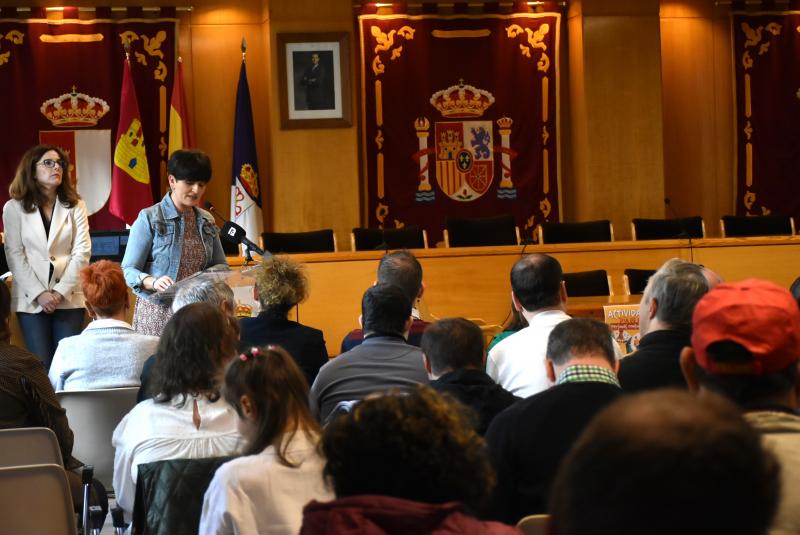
{"x":108,"y":353}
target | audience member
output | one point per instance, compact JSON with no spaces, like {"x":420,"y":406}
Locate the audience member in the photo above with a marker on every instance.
{"x":400,"y":268}
{"x":795,"y":289}
{"x":202,"y":289}
{"x":280,"y":285}
{"x":665,"y":324}
{"x":527,"y":441}
{"x":663,"y":463}
{"x":108,"y":353}
{"x":538,"y":293}
{"x":186,"y":419}
{"x":403,"y":463}
{"x":27,"y":399}
{"x":265,"y":491}
{"x":712,"y":278}
{"x":384,"y":360}
{"x":454,"y":359}
{"x":513,"y":323}
{"x":746,"y":346}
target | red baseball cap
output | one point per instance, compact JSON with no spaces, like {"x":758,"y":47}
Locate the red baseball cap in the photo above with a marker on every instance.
{"x":759,"y":315}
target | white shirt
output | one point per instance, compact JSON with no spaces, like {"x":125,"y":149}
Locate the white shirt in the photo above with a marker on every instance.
{"x":517,"y":362}
{"x":257,"y":494}
{"x":160,"y":431}
{"x":107,"y":354}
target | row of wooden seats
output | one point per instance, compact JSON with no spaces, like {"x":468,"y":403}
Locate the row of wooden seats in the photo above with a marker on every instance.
{"x":501,"y":230}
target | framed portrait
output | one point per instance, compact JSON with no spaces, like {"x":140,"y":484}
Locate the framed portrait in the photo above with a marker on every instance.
{"x":314,"y":80}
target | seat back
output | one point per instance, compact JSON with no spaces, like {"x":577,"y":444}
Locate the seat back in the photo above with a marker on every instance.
{"x":584,"y":232}
{"x":315,"y":241}
{"x":534,"y":525}
{"x":481,"y":231}
{"x":588,"y":283}
{"x":372,"y":239}
{"x":29,"y":445}
{"x":169,"y":495}
{"x":635,"y":280}
{"x":666,"y":229}
{"x":93,"y":415}
{"x":36,"y":499}
{"x":764,"y":225}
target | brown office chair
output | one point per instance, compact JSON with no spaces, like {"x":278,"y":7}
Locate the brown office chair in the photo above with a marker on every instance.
{"x":588,"y":283}
{"x":667,"y":229}
{"x":480,"y":231}
{"x":584,"y":232}
{"x":763,"y":225}
{"x":316,"y":241}
{"x":373,"y":239}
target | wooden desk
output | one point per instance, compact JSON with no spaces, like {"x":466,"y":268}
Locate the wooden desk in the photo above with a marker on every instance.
{"x":474,"y":281}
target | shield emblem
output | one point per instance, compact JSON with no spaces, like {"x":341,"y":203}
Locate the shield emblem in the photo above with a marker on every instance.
{"x":464,"y":158}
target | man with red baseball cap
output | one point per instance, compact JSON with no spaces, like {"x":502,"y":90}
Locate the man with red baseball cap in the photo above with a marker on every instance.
{"x":746,"y":346}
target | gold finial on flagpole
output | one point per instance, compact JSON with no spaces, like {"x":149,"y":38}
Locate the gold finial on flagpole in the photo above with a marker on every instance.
{"x":127,"y":46}
{"x":180,"y":59}
{"x":244,"y":48}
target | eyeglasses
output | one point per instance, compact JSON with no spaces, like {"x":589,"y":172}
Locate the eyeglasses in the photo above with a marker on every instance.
{"x":48,"y":163}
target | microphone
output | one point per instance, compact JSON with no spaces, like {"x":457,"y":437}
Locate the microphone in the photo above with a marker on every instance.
{"x":234,"y":233}
{"x":682,"y":224}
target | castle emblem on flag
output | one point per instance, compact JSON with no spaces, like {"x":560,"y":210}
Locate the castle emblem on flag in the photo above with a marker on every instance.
{"x":464,"y":149}
{"x":130,"y":154}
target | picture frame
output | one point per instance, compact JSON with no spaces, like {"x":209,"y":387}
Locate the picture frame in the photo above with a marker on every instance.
{"x":314,"y":80}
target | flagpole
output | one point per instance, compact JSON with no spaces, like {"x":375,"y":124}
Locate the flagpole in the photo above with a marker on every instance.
{"x":244,"y":49}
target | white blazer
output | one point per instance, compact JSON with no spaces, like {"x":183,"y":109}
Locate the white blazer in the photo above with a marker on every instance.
{"x":30,"y":251}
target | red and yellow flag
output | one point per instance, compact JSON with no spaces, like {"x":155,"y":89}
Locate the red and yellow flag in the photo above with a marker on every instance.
{"x":130,"y":177}
{"x":180,"y":131}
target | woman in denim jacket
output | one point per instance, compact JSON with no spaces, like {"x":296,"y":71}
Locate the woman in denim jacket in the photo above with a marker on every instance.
{"x":171,"y":240}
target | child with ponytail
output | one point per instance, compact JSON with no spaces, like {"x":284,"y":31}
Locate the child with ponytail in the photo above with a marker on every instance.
{"x":264,"y":492}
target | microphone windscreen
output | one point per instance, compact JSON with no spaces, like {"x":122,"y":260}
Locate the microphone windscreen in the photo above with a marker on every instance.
{"x":232,"y":232}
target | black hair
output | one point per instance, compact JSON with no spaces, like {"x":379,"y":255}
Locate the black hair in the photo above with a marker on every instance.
{"x":402,"y":269}
{"x":196,"y":343}
{"x":191,"y":165}
{"x":579,"y":337}
{"x":385,"y":308}
{"x":536,"y":281}
{"x":453,"y":344}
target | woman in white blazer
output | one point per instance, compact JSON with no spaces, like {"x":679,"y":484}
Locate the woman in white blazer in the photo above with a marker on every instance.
{"x":47,"y":243}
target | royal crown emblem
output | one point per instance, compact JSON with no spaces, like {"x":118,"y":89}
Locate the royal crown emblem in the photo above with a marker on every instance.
{"x":74,"y":109}
{"x":460,"y":101}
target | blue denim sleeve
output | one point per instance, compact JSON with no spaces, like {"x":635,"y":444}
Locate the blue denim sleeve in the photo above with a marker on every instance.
{"x":138,"y":249}
{"x":218,"y":256}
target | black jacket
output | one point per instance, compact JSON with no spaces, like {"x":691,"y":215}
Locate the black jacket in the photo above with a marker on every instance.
{"x":656,"y":364}
{"x":477,"y":391}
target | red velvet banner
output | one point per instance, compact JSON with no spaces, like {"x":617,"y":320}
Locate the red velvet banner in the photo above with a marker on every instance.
{"x":61,"y":76}
{"x":766,"y":53}
{"x":460,"y":118}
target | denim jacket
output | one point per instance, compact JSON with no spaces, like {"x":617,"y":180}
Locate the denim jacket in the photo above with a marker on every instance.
{"x":156,"y":242}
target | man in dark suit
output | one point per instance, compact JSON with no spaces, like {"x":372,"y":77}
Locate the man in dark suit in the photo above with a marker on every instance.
{"x":313,"y":80}
{"x":454,"y":359}
{"x":665,"y":324}
{"x":528,"y":440}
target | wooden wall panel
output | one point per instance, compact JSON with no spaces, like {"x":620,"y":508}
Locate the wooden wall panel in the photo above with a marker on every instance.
{"x":698,"y":110}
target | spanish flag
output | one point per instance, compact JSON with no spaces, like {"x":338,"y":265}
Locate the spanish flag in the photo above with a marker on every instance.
{"x":130,"y":177}
{"x":180,"y":131}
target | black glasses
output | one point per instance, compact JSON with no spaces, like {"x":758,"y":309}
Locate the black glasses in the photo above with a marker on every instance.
{"x":48,"y":163}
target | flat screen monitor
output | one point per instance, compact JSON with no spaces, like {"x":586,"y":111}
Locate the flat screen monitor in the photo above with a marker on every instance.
{"x":109,"y":244}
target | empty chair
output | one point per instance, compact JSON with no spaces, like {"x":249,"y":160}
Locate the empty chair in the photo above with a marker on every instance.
{"x":480,"y":231}
{"x":29,"y":445}
{"x":764,"y":225}
{"x":588,"y":283}
{"x":635,"y":280}
{"x":316,"y":241}
{"x":371,"y":239}
{"x":534,"y":525}
{"x":169,"y":494}
{"x":666,"y":229}
{"x":587,"y":231}
{"x":36,"y":499}
{"x":93,"y":415}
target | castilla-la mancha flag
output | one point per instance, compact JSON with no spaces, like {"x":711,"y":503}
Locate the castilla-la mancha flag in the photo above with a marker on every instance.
{"x":130,"y":177}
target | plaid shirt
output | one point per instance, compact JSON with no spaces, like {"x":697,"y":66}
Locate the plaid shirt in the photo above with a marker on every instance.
{"x":582,"y":373}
